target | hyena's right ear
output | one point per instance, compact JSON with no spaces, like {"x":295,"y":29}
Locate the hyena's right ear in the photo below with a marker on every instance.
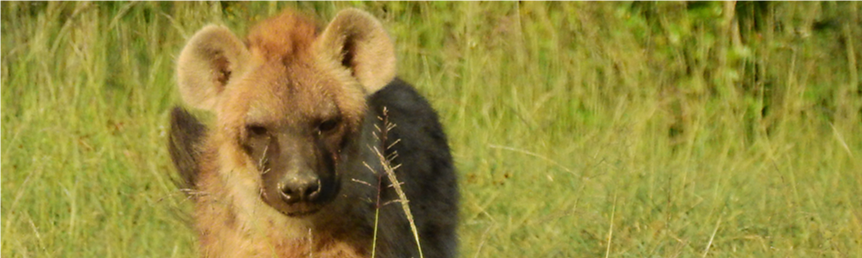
{"x":207,"y":63}
{"x":358,"y":42}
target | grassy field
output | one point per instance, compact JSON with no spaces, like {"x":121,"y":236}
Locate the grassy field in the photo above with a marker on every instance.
{"x":579,"y":129}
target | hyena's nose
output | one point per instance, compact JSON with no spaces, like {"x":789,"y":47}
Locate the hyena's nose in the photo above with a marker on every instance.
{"x":300,"y":187}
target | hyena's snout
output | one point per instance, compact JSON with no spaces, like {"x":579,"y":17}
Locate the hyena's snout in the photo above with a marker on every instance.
{"x":303,"y":186}
{"x":298,"y":192}
{"x":298,"y":178}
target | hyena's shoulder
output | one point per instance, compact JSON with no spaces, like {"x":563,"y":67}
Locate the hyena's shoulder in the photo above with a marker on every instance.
{"x":185,"y":138}
{"x":416,"y":120}
{"x":426,"y":167}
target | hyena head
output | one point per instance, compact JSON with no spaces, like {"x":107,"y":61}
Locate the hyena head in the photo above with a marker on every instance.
{"x":289,"y":101}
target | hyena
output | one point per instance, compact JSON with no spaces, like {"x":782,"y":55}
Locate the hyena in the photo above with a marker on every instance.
{"x":288,"y":169}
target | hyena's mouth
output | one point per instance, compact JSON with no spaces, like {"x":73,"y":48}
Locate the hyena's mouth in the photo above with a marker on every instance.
{"x":301,"y":212}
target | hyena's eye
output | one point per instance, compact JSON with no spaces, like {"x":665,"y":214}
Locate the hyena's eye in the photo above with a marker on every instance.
{"x":255,"y":130}
{"x":327,"y":125}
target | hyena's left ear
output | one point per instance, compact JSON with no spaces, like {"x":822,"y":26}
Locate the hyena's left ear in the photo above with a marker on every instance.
{"x":211,"y":58}
{"x":359,"y":43}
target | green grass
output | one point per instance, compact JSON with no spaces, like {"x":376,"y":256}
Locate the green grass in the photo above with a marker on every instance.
{"x":579,"y":129}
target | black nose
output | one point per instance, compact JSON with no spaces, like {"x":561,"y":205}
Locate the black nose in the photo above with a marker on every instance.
{"x":300,"y":187}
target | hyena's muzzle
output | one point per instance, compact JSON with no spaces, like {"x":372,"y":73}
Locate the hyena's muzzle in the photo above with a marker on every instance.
{"x":297,"y":169}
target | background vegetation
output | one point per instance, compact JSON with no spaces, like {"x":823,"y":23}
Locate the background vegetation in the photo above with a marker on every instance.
{"x":579,"y":129}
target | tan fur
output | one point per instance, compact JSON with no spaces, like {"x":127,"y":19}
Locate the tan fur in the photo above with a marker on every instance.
{"x":286,"y":70}
{"x":374,"y":63}
{"x":202,"y":67}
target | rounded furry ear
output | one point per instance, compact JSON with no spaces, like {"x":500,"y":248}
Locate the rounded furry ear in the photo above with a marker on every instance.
{"x":358,"y":41}
{"x":207,"y":63}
